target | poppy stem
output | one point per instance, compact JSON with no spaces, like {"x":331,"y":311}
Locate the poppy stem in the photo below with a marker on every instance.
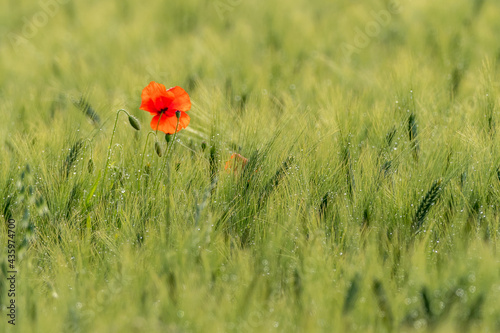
{"x":158,"y":124}
{"x":169,"y":148}
{"x":145,"y":146}
{"x":173,"y":139}
{"x":144,"y":153}
{"x":89,"y":145}
{"x":110,"y":145}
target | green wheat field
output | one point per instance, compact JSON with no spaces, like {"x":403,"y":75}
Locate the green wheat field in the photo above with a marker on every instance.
{"x":370,"y":201}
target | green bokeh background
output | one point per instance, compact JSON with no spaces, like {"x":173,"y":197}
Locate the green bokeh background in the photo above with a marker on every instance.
{"x":349,"y":112}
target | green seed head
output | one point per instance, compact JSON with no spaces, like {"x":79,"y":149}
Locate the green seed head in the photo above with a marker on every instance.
{"x":168,"y":137}
{"x":90,"y":166}
{"x":39,"y":201}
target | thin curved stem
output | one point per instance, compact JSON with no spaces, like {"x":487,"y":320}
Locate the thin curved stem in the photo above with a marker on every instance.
{"x":158,"y":124}
{"x":110,"y":145}
{"x":173,"y":139}
{"x":143,"y":155}
{"x":145,"y":146}
{"x":169,"y":148}
{"x":90,"y":146}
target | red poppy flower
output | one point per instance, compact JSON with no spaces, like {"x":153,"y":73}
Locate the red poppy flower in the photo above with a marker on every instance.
{"x":160,"y":102}
{"x":239,"y":163}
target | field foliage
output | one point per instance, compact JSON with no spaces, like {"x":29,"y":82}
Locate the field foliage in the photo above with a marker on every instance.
{"x":371,"y":197}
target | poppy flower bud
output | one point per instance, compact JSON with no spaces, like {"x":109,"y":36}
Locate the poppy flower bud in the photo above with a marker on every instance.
{"x":178,"y":114}
{"x":90,"y":166}
{"x":168,"y":137}
{"x":134,"y":122}
{"x":203,"y":145}
{"x":158,"y":149}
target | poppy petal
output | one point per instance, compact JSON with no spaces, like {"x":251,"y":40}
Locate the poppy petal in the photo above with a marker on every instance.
{"x":180,"y":99}
{"x":153,"y":96}
{"x":167,"y":124}
{"x":163,"y":102}
{"x":184,"y":121}
{"x":155,"y":125}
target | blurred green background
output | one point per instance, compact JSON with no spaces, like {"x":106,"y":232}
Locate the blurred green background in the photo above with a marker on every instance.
{"x":370,"y":203}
